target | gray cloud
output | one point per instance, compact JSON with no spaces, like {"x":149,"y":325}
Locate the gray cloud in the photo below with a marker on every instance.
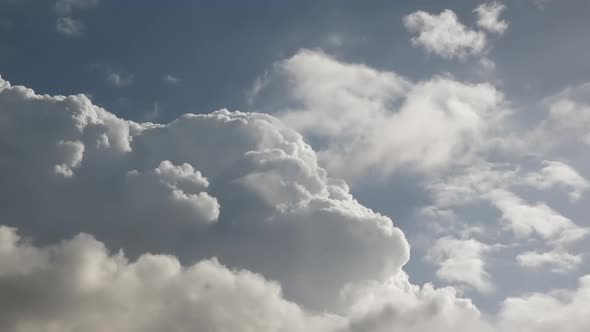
{"x":239,"y":186}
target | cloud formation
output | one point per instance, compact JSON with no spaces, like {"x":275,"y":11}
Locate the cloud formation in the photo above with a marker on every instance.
{"x":247,"y":189}
{"x":461,"y":261}
{"x":488,"y":17}
{"x":367,"y":121}
{"x":444,"y":35}
{"x":255,"y":198}
{"x":78,"y":285}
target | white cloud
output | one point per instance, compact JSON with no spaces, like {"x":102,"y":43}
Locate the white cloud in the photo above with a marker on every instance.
{"x":68,"y":26}
{"x":247,"y":189}
{"x":461,"y":261}
{"x":567,"y":121}
{"x":558,"y":310}
{"x":397,"y":305}
{"x":556,"y":260}
{"x":367,"y":121}
{"x":119,"y":79}
{"x":558,"y":174}
{"x":488,"y":17}
{"x":77,"y":285}
{"x":256,"y":198}
{"x":525,"y":219}
{"x":444,"y":35}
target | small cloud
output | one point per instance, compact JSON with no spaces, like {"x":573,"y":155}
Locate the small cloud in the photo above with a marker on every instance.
{"x":68,"y":26}
{"x":444,"y":35}
{"x":488,"y":17}
{"x":557,"y":260}
{"x":119,"y":79}
{"x":171,"y":80}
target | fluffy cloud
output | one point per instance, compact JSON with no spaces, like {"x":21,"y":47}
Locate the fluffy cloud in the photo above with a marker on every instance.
{"x":563,"y":310}
{"x":525,"y":219}
{"x":238,"y":186}
{"x":488,"y":17}
{"x":444,"y":35}
{"x":556,"y":260}
{"x":247,"y":189}
{"x":461,"y":261}
{"x":558,"y":174}
{"x":397,"y":305}
{"x":365,"y":121}
{"x":78,"y":285}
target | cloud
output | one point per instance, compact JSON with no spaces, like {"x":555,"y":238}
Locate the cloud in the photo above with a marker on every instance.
{"x":567,"y":121}
{"x":366,"y":121}
{"x":400,"y":306}
{"x":538,"y":312}
{"x":119,"y":79}
{"x":261,"y":203}
{"x":247,"y":189}
{"x":556,"y":260}
{"x":525,"y":219}
{"x":78,"y":285}
{"x":494,"y":184}
{"x":68,"y":26}
{"x":444,"y":35}
{"x":171,"y":80}
{"x":558,"y":174}
{"x":488,"y":17}
{"x":65,"y":24}
{"x":256,"y":199}
{"x":461,"y":261}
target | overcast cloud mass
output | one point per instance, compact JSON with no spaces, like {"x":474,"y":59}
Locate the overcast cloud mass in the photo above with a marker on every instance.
{"x":334,"y":167}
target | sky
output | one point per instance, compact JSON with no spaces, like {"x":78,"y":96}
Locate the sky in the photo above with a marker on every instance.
{"x":334,"y":166}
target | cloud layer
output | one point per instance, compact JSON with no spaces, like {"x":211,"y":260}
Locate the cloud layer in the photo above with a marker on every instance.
{"x":294,"y":250}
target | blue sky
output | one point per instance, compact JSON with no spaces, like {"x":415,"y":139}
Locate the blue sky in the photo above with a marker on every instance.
{"x":387,"y":157}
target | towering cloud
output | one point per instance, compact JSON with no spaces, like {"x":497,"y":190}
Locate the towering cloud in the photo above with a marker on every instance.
{"x":238,"y":186}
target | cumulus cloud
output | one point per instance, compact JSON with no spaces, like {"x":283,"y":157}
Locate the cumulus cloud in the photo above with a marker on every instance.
{"x":247,"y":189}
{"x":539,"y":312}
{"x":488,"y":17}
{"x":366,"y":121}
{"x":261,"y":202}
{"x":397,"y":305}
{"x":461,"y":261}
{"x":78,"y":285}
{"x":444,"y":35}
